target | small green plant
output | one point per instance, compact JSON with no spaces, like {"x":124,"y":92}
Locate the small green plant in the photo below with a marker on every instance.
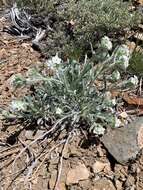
{"x":70,"y":95}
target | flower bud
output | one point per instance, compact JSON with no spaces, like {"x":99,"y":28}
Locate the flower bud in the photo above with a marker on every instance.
{"x":133,"y":80}
{"x":115,"y":75}
{"x":106,"y":43}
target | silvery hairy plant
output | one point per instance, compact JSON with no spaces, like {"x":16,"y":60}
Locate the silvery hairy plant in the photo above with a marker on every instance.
{"x":71,"y":92}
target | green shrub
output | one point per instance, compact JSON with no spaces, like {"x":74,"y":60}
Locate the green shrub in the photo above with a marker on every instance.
{"x":102,"y":16}
{"x":38,"y":5}
{"x":91,"y":15}
{"x":93,"y":19}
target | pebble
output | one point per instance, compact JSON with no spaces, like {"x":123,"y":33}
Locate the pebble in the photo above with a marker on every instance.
{"x":99,"y":166}
{"x":80,"y":172}
{"x":103,"y":184}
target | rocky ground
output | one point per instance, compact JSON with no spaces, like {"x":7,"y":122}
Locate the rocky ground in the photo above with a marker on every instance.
{"x":114,"y":162}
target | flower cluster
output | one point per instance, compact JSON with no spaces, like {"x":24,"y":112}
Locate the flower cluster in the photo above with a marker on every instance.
{"x":122,"y":57}
{"x":106,"y":43}
{"x":54,"y":62}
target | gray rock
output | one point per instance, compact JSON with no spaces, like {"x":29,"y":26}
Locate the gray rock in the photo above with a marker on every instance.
{"x":126,"y":142}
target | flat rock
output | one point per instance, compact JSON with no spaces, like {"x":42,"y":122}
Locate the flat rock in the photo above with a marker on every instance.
{"x":103,"y":184}
{"x":80,"y":172}
{"x":126,"y":142}
{"x":99,"y":166}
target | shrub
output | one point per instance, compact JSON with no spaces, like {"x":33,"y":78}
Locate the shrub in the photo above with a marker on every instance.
{"x":91,"y":15}
{"x":93,"y":19}
{"x":109,"y":14}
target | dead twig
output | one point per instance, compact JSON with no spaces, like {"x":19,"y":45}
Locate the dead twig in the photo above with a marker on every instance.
{"x":9,"y":148}
{"x":18,"y":174}
{"x":21,"y":24}
{"x":7,"y":163}
{"x":8,"y":153}
{"x":61,"y":160}
{"x":140,"y":87}
{"x":39,"y":36}
{"x":46,"y":156}
{"x":30,"y":170}
{"x":30,"y":154}
{"x":41,"y":137}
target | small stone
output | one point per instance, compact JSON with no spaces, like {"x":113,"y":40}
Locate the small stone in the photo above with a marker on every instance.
{"x":61,"y":186}
{"x":3,"y":54}
{"x":100,"y":166}
{"x":140,"y":2}
{"x":125,"y":143}
{"x":123,"y":115}
{"x":29,"y":134}
{"x":80,"y":172}
{"x":121,"y":172}
{"x":73,"y":151}
{"x":131,"y":46}
{"x":103,"y":184}
{"x":118,"y":185}
{"x":130,"y":181}
{"x":25,"y":45}
{"x":85,"y":184}
{"x":100,"y":151}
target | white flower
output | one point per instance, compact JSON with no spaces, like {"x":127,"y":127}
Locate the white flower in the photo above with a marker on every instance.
{"x":106,"y":43}
{"x":122,"y":57}
{"x":123,"y":62}
{"x":133,"y":80}
{"x":18,"y":105}
{"x":115,"y":75}
{"x":59,"y":111}
{"x":123,"y":50}
{"x":99,"y":130}
{"x":54,"y":61}
{"x":118,"y":123}
{"x":114,"y":101}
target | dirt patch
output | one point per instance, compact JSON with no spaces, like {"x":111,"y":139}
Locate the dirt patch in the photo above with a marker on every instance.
{"x":16,"y":56}
{"x":76,"y":157}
